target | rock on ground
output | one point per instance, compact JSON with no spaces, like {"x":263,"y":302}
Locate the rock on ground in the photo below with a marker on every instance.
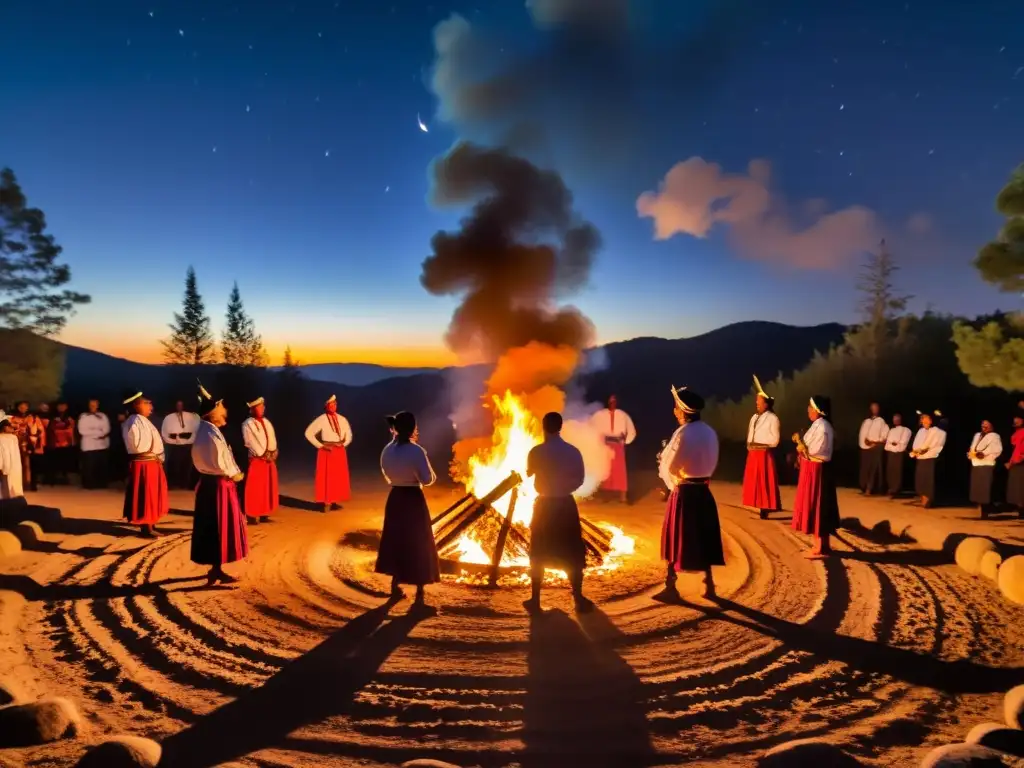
{"x":1009,"y":741}
{"x":1013,"y":707}
{"x":963,"y":756}
{"x":9,"y":544}
{"x":29,"y":533}
{"x":811,"y":753}
{"x":40,"y":722}
{"x":970,"y":551}
{"x":122,"y":752}
{"x":1011,"y":579}
{"x":989,"y":566}
{"x":10,"y":693}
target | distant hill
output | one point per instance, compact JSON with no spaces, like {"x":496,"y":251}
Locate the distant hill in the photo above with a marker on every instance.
{"x":357,"y":374}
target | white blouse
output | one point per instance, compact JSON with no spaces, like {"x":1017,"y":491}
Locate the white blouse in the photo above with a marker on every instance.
{"x":322,"y":426}
{"x":176,"y":423}
{"x":406,"y":464}
{"x":692,"y":452}
{"x":898,"y":440}
{"x":141,"y":436}
{"x":991,"y":445}
{"x":617,"y":423}
{"x":874,"y":429}
{"x":95,"y":431}
{"x":764,"y":429}
{"x":930,"y":441}
{"x":211,"y":453}
{"x":259,"y":438}
{"x":819,"y":440}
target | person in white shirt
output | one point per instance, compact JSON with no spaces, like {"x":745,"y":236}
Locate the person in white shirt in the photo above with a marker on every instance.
{"x":816,"y":511}
{"x":928,"y":444}
{"x":219,"y":533}
{"x":691,"y":536}
{"x":760,"y":477}
{"x":407,"y":552}
{"x":618,"y":431}
{"x":145,"y":493}
{"x":178,"y":432}
{"x":556,"y":536}
{"x":896,"y":444}
{"x":94,"y":431}
{"x":986,"y":448}
{"x":10,"y":461}
{"x":872,"y":439}
{"x":331,"y":435}
{"x":260,"y":494}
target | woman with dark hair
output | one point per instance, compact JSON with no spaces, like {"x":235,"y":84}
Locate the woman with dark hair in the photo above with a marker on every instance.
{"x":407,"y":552}
{"x":816,"y":511}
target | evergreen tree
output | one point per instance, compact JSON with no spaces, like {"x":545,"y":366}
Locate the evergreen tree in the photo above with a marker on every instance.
{"x":191,"y":341}
{"x":879,"y":304}
{"x":992,"y":355}
{"x":241,"y":345}
{"x":32,"y":293}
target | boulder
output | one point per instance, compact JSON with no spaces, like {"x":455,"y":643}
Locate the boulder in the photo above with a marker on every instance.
{"x":1011,"y":579}
{"x":11,"y":693}
{"x":39,"y":722}
{"x":425,"y":763}
{"x":122,"y":752}
{"x":963,"y":756}
{"x":989,"y":567}
{"x":1013,"y":707}
{"x":9,"y":544}
{"x":970,"y":551}
{"x":811,"y":753}
{"x":1009,"y":741}
{"x":29,"y":533}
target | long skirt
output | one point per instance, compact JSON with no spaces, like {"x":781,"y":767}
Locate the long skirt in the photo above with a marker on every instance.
{"x":219,"y":533}
{"x":1015,"y":486}
{"x":556,"y":537}
{"x":332,"y":481}
{"x":761,"y":481}
{"x":894,"y":470}
{"x":691,"y":536}
{"x":179,"y":466}
{"x":261,"y":494}
{"x":145,"y":495}
{"x":981,"y":485}
{"x":407,"y":551}
{"x":924,"y":478}
{"x":816,"y":511}
{"x":617,"y":479}
{"x":871,"y":480}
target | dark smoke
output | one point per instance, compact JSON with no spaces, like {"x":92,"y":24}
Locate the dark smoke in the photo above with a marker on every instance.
{"x":522,"y":247}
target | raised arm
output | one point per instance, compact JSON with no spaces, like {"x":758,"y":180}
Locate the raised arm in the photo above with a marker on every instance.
{"x":313,"y":432}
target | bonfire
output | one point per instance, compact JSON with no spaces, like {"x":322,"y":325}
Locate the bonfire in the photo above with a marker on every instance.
{"x":486,"y":534}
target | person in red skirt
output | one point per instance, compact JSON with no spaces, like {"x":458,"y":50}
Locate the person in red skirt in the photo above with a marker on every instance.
{"x":407,"y":552}
{"x":691,"y":537}
{"x":260,"y":495}
{"x":816,"y":511}
{"x":331,"y":434}
{"x":219,"y":533}
{"x":618,"y":431}
{"x":761,"y":478}
{"x":145,"y":493}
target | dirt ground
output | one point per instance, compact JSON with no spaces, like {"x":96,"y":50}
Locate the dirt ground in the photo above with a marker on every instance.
{"x":887,"y":648}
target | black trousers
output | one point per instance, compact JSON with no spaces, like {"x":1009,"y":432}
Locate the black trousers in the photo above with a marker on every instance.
{"x":924,"y":478}
{"x":95,"y":466}
{"x":894,"y":463}
{"x":871,"y":480}
{"x":179,"y":466}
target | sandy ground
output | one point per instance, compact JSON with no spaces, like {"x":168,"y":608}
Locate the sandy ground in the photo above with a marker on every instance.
{"x":887,"y":648}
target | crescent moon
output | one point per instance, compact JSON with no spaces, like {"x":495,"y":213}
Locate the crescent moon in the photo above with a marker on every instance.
{"x":420,"y":123}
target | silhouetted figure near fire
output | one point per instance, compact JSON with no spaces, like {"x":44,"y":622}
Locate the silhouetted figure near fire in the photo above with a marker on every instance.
{"x":556,"y":538}
{"x":407,"y":552}
{"x":331,"y":435}
{"x":691,"y":537}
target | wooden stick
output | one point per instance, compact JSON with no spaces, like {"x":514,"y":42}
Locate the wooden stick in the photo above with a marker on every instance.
{"x":499,"y":546}
{"x":452,"y":508}
{"x":595,"y":530}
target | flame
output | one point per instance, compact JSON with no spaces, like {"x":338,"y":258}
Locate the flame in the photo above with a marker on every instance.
{"x":516,"y":431}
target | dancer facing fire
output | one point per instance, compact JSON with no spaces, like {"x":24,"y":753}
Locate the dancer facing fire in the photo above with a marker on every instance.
{"x":407,"y":552}
{"x":691,"y":538}
{"x":556,"y":536}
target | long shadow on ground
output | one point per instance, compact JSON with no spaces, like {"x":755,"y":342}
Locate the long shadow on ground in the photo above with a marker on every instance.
{"x":318,"y":685}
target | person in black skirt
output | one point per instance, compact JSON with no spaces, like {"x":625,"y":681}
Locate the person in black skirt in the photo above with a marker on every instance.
{"x":986,"y":448}
{"x":407,"y":552}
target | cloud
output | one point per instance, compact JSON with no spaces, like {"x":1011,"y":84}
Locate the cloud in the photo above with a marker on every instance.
{"x":696,"y":196}
{"x":920,"y":224}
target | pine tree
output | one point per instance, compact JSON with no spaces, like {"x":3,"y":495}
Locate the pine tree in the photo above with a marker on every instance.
{"x":241,"y":345}
{"x":191,"y":341}
{"x":32,"y":293}
{"x":992,"y":355}
{"x":879,"y":305}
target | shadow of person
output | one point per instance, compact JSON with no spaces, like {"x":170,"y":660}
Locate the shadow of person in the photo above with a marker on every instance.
{"x":319,"y":684}
{"x":291,"y":502}
{"x":584,"y":705}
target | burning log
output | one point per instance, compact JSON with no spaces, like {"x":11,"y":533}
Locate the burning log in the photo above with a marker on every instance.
{"x":461,"y":519}
{"x":499,"y":546}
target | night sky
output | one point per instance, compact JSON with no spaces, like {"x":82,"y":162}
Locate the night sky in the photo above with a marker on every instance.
{"x":276,"y":144}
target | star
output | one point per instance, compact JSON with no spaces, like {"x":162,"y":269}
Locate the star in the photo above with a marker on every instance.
{"x":387,"y":189}
{"x":931,"y":151}
{"x":181,"y":33}
{"x":248,"y":108}
{"x":842,"y":152}
{"x":1017,"y":73}
{"x":151,"y":14}
{"x":327,"y":153}
{"x":842,"y":107}
{"x":214,"y":149}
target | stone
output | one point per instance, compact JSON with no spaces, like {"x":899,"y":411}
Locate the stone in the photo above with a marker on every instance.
{"x":122,"y":752}
{"x":963,"y":756}
{"x":38,"y":722}
{"x":1013,"y":707}
{"x":811,"y":753}
{"x":426,"y":763}
{"x":1009,"y":741}
{"x":29,"y":533}
{"x":1011,"y":579}
{"x":9,"y":544}
{"x":989,"y":566}
{"x":970,"y":551}
{"x":11,"y":693}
